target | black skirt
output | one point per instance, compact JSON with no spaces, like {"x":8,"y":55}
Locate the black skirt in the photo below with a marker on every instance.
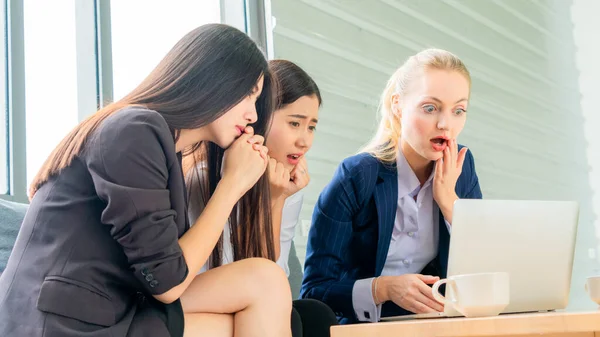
{"x":156,"y":319}
{"x":312,"y":318}
{"x":173,"y":317}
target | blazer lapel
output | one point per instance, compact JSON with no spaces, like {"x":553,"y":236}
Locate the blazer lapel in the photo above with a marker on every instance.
{"x":443,"y":246}
{"x":386,"y":201}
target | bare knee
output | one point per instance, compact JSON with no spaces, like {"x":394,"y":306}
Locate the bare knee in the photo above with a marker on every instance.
{"x":267,"y":270}
{"x":266,"y":267}
{"x":270,"y":278}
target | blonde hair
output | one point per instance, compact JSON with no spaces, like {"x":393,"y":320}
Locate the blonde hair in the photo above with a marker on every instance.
{"x":384,"y":145}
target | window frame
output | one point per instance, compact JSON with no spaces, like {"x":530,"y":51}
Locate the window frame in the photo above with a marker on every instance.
{"x":94,"y":69}
{"x":15,"y":101}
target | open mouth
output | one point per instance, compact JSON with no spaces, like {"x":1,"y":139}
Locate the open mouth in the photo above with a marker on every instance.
{"x":294,"y":158}
{"x":439,"y":143}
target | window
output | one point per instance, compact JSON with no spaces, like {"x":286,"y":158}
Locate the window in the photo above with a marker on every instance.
{"x":4,"y":143}
{"x":50,"y":77}
{"x":144,"y":31}
{"x":141,"y":32}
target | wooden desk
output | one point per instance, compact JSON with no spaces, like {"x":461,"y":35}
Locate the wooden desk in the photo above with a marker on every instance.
{"x":555,"y":324}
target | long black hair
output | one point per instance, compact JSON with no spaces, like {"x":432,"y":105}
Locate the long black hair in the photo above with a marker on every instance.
{"x":206,"y":73}
{"x":251,"y":227}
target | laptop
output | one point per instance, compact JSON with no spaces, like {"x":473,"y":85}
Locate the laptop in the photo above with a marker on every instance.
{"x":532,"y":240}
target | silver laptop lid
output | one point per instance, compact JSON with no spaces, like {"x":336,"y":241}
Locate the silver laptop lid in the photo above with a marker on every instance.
{"x":534,"y":241}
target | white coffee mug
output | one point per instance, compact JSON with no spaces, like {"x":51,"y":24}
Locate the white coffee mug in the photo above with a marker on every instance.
{"x":592,"y":287}
{"x":475,"y":295}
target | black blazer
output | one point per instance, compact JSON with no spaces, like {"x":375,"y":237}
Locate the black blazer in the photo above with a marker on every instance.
{"x":100,"y":237}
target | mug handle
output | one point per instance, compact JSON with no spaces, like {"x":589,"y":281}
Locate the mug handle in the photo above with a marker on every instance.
{"x":435,"y":290}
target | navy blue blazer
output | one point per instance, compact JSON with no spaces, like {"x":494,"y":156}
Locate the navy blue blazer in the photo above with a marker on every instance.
{"x":352,"y":228}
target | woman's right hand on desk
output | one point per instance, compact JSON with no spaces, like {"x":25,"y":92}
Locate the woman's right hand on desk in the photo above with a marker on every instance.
{"x":411,"y":292}
{"x":245,"y":161}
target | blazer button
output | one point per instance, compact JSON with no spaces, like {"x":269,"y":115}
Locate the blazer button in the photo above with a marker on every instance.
{"x":149,"y":277}
{"x":144,"y":271}
{"x":153,"y":284}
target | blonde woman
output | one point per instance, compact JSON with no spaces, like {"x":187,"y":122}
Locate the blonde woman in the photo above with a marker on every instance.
{"x":381,"y":227}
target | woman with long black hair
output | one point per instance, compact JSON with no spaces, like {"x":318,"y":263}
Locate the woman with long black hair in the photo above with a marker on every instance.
{"x":296,"y":115}
{"x":106,"y":248}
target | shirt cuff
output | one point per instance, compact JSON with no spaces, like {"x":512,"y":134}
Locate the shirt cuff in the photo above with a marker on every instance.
{"x":448,"y":225}
{"x":363,"y":302}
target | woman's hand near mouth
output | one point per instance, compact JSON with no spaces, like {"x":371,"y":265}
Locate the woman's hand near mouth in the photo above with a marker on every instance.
{"x":284,"y":183}
{"x":447,"y":170}
{"x":299,"y":177}
{"x":279,"y":180}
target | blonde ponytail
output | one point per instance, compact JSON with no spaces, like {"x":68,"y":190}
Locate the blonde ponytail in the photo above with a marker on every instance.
{"x":384,"y":145}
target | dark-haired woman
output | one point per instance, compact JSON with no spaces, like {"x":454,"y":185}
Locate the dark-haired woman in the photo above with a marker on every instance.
{"x":290,"y":137}
{"x":106,"y":248}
